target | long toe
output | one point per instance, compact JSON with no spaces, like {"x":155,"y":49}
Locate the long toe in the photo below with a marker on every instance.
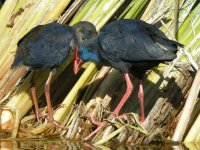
{"x":39,"y":115}
{"x":56,"y":123}
{"x":99,"y":124}
{"x":94,"y":121}
{"x":94,"y":132}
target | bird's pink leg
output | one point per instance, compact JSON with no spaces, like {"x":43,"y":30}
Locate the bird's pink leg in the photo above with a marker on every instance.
{"x":117,"y":109}
{"x":100,"y":124}
{"x":141,"y":100}
{"x":48,"y":99}
{"x":47,"y":94}
{"x":94,"y":121}
{"x":129,"y":90}
{"x":33,"y":93}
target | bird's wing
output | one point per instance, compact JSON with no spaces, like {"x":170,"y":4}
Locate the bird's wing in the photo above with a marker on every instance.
{"x":160,"y":38}
{"x":22,"y":51}
{"x":130,"y":42}
{"x":32,"y":33}
{"x":47,"y":45}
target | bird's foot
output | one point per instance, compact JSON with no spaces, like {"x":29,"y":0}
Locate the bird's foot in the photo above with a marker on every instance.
{"x":94,"y":121}
{"x":123,"y":116}
{"x":95,"y":131}
{"x":99,"y":124}
{"x":56,"y":123}
{"x":39,"y":115}
{"x":112,"y":115}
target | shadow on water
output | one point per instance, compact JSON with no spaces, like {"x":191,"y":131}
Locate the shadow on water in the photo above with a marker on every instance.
{"x":58,"y":144}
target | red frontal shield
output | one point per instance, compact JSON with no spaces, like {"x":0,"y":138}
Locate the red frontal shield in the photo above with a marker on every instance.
{"x":77,"y":62}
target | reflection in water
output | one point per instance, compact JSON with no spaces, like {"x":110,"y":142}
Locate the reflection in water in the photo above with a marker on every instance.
{"x":39,"y":144}
{"x":59,"y":144}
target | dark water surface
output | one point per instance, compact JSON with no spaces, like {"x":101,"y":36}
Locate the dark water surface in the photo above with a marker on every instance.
{"x":60,"y":144}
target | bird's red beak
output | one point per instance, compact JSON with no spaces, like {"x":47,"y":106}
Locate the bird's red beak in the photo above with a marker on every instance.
{"x":77,"y":62}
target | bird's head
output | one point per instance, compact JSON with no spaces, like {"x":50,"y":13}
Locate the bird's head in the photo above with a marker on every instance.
{"x":83,"y":54}
{"x":84,"y":31}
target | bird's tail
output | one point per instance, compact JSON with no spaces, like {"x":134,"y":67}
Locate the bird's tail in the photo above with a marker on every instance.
{"x":17,"y":61}
{"x":175,"y":43}
{"x":167,"y":44}
{"x":15,"y":64}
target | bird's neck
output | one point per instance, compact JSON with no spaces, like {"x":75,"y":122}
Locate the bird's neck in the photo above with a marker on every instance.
{"x":89,"y":54}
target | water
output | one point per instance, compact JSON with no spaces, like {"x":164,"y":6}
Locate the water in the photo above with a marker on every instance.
{"x":61,"y":144}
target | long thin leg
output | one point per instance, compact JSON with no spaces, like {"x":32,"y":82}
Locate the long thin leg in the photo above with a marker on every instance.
{"x":48,"y":100}
{"x":47,"y":94}
{"x":129,"y":90}
{"x":33,"y":92}
{"x":141,"y":100}
{"x":118,"y":108}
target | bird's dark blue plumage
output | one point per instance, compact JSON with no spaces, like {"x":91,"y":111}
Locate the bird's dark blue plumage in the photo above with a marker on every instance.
{"x":129,"y":46}
{"x":126,"y":44}
{"x":45,"y":46}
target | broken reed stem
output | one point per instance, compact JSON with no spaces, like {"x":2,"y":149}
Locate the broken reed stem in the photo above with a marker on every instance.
{"x":187,"y":110}
{"x":16,"y":124}
{"x":193,"y":134}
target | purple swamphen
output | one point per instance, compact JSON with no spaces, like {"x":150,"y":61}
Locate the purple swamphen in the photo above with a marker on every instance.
{"x":47,"y":47}
{"x":130,"y":46}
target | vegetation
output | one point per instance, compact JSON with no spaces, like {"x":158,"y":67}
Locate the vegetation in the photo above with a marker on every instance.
{"x":96,"y":89}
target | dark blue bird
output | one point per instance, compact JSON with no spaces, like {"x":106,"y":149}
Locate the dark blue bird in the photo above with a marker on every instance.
{"x":47,"y":47}
{"x":131,"y":46}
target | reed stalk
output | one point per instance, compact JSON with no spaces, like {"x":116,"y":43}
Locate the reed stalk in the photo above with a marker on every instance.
{"x":21,"y":16}
{"x":136,"y":10}
{"x":187,"y":110}
{"x":86,"y":11}
{"x":33,"y":14}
